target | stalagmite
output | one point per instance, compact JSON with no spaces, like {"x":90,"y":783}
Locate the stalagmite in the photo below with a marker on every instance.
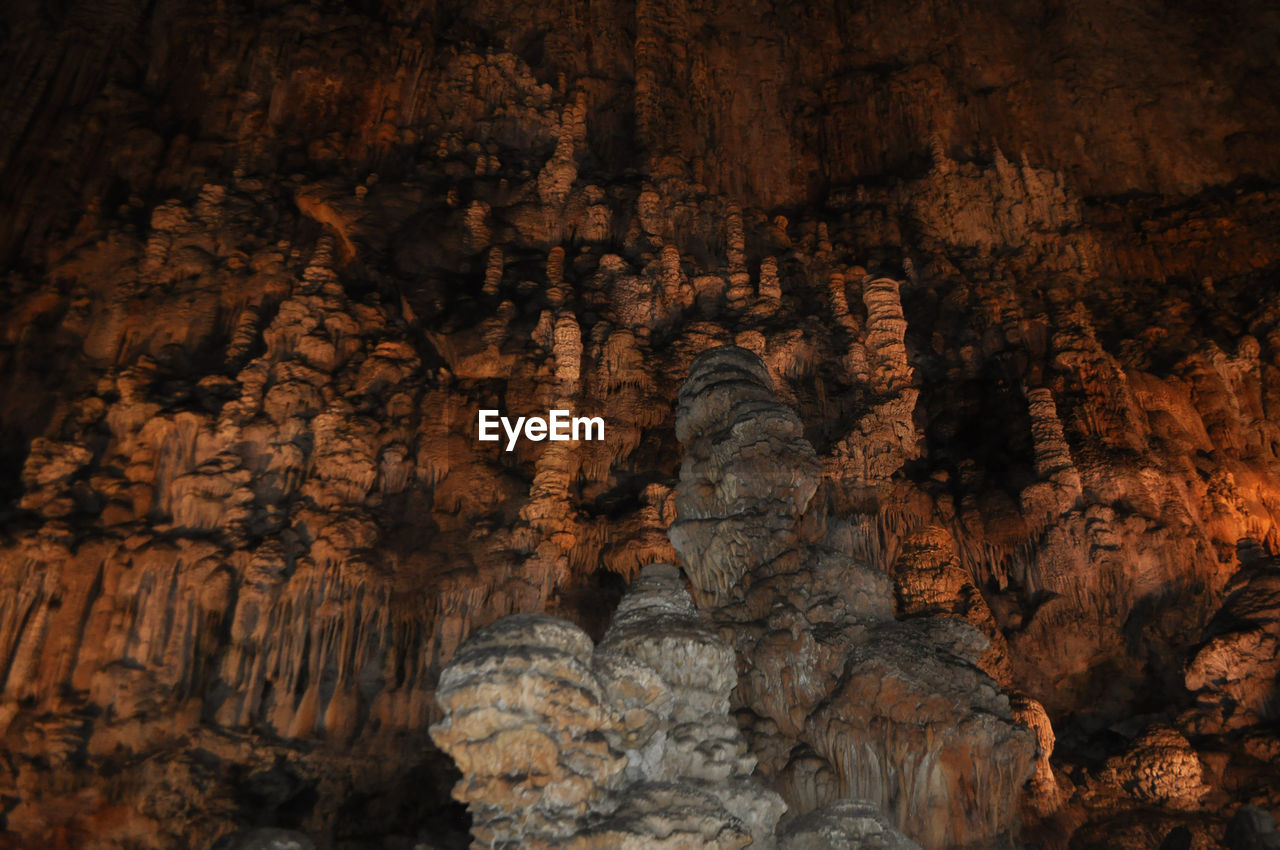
{"x":1160,"y":767}
{"x":1009,"y":280}
{"x":1235,"y":674}
{"x":886,"y":436}
{"x":629,"y":744}
{"x":886,"y":328}
{"x":770,"y":289}
{"x":911,"y":748}
{"x":739,"y":291}
{"x":853,"y":824}
{"x":526,"y":721}
{"x":1054,"y":465}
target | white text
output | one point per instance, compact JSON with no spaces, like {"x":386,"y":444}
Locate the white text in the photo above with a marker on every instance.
{"x":558,"y":426}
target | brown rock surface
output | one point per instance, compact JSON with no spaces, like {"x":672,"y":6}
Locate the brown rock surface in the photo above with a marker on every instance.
{"x":1010,"y":266}
{"x":1236,"y":674}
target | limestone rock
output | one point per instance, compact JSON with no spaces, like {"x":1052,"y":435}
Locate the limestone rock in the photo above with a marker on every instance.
{"x":1161,"y":767}
{"x":273,"y":839}
{"x":1011,"y":267}
{"x":1235,"y":674}
{"x":855,"y":824}
{"x":903,"y":713}
{"x":755,"y":473}
{"x":665,"y":815}
{"x":527,"y":723}
{"x":626,"y":744}
{"x":897,"y":710}
{"x":1252,"y":828}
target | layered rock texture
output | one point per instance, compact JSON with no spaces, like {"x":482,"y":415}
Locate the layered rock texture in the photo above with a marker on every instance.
{"x":844,"y":700}
{"x":1009,"y":451}
{"x":629,"y":744}
{"x":625,"y":745}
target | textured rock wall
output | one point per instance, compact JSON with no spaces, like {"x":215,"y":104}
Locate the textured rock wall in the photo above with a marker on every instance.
{"x":846,"y":701}
{"x":1010,"y":264}
{"x":629,"y":745}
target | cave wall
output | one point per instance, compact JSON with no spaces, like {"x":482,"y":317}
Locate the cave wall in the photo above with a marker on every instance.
{"x":1013,"y":264}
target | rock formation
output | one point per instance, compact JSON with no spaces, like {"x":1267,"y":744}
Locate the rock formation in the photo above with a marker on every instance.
{"x":898,"y":711}
{"x":844,"y":823}
{"x":1009,"y":268}
{"x":626,"y":744}
{"x":1236,"y":673}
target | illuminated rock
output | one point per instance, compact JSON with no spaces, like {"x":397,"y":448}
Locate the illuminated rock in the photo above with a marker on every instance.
{"x":626,"y":744}
{"x":898,"y":710}
{"x":264,"y":264}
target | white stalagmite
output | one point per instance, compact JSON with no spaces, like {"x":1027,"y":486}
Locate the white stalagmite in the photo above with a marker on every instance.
{"x":627,"y":744}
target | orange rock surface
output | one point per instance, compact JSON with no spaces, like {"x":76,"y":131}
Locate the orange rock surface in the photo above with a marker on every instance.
{"x":1009,"y":269}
